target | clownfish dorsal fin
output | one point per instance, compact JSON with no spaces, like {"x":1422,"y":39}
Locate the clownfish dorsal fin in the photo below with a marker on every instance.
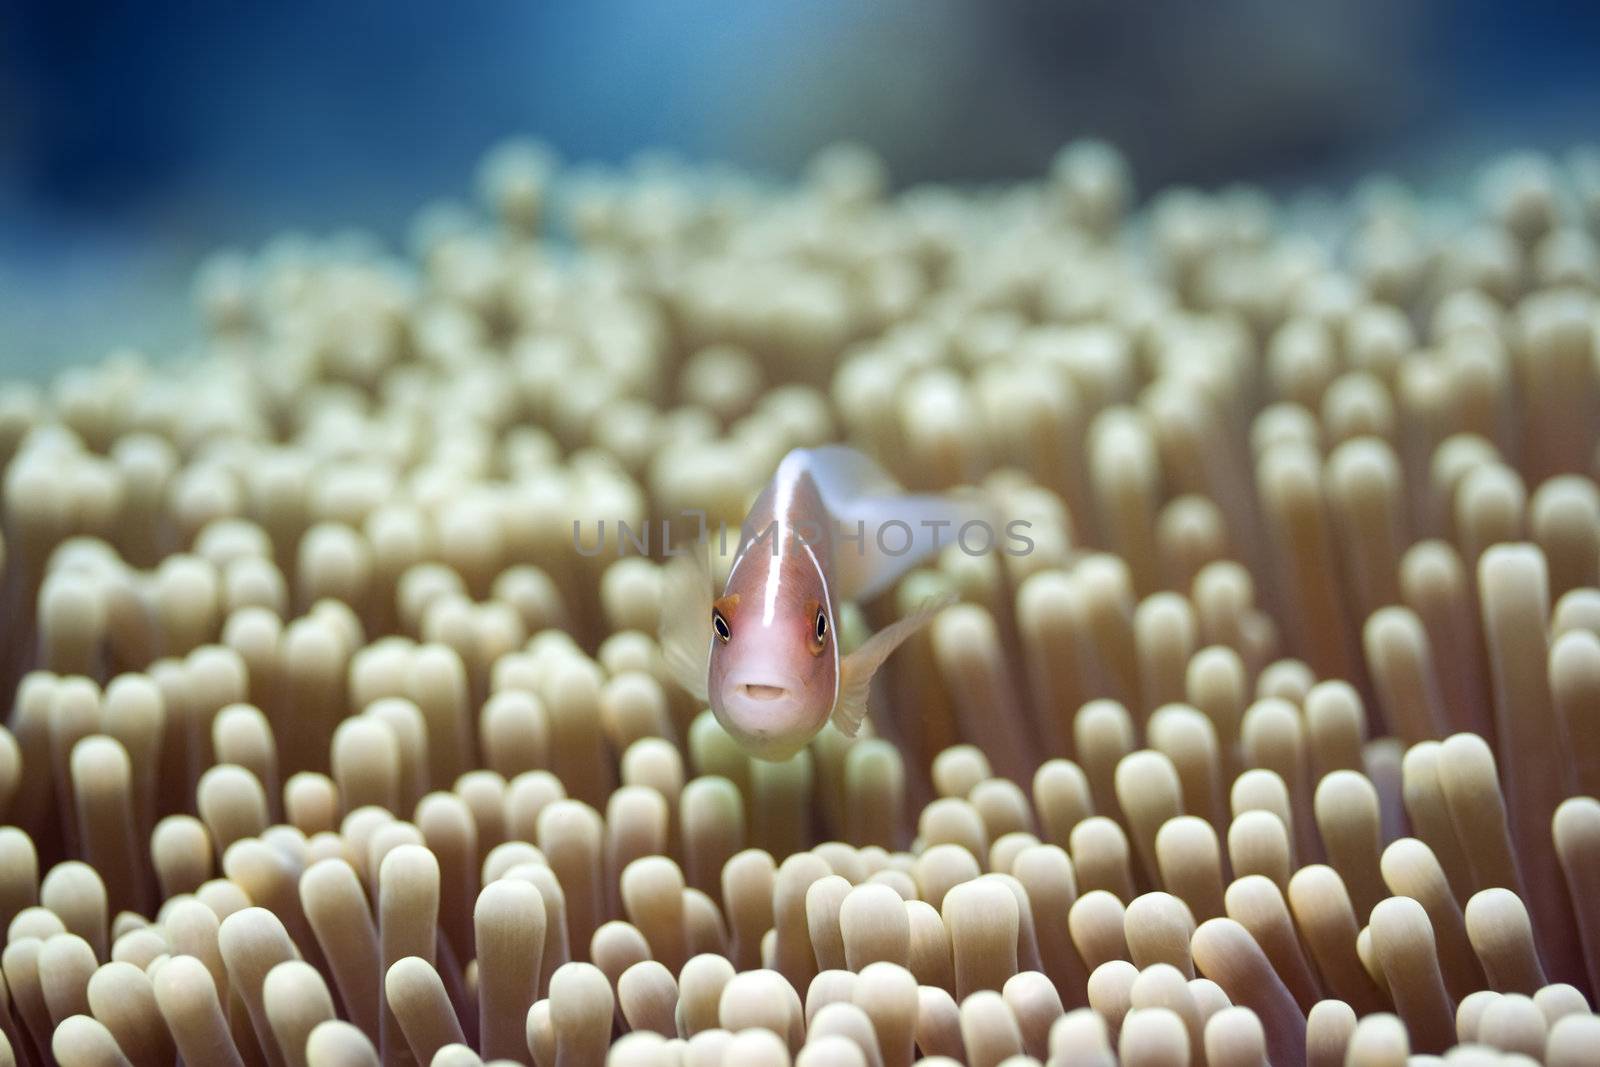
{"x":860,"y":496}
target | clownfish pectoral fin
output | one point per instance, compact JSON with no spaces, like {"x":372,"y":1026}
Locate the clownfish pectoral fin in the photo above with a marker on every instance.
{"x":856,"y":669}
{"x":685,"y":630}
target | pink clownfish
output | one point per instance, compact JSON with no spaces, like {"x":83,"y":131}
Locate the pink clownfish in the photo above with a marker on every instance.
{"x":765,"y":654}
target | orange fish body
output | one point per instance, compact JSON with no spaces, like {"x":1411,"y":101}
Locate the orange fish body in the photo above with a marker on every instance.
{"x":764,"y":654}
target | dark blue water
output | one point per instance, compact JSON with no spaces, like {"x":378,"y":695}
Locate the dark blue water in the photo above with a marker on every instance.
{"x":135,"y":136}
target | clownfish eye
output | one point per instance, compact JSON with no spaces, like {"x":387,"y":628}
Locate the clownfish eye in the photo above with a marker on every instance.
{"x":719,"y":624}
{"x":817,"y":639}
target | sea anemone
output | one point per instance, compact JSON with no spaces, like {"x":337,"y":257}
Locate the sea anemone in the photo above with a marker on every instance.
{"x":341,"y":735}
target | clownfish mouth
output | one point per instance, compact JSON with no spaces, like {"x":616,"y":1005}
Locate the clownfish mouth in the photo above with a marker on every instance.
{"x":763,"y":692}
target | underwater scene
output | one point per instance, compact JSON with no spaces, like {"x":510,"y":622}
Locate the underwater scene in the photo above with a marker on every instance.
{"x":834,"y":535}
